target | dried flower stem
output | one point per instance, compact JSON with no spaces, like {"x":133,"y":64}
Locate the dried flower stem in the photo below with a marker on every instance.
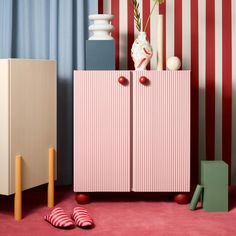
{"x":137,"y":17}
{"x":148,"y":19}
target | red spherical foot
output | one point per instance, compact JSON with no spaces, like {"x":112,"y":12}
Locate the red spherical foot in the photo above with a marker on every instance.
{"x":82,"y":198}
{"x":182,"y":198}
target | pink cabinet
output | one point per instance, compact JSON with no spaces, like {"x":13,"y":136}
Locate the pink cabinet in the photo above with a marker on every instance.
{"x":161,"y":131}
{"x":101,"y":131}
{"x":131,"y":134}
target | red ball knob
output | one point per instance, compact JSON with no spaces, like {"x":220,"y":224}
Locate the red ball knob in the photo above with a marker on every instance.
{"x":143,"y":80}
{"x":122,"y":80}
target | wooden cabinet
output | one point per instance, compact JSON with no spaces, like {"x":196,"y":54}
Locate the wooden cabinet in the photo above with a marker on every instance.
{"x":27,"y":120}
{"x":131,"y":131}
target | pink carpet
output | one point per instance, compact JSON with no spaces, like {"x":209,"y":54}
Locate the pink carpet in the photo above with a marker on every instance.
{"x":126,"y":214}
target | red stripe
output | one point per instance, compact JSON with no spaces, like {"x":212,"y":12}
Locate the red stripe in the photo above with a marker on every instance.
{"x":100,"y":6}
{"x":130,"y":34}
{"x":146,"y":12}
{"x":58,"y":218}
{"x":227,"y":82}
{"x":194,"y":92}
{"x":82,"y":217}
{"x":210,"y":80}
{"x":178,"y":29}
{"x":141,"y":62}
{"x":162,"y":11}
{"x":148,"y":53}
{"x":115,"y":9}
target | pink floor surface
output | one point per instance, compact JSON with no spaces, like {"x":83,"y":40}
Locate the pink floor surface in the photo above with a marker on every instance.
{"x":126,"y":214}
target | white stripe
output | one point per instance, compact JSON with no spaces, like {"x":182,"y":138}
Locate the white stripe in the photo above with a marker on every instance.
{"x":123,"y":41}
{"x":218,"y":79}
{"x":153,"y":34}
{"x":107,"y":6}
{"x":233,"y":163}
{"x":169,"y":28}
{"x":186,"y":35}
{"x":202,"y":76}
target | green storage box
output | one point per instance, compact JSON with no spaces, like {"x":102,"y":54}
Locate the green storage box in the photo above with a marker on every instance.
{"x":215,"y":199}
{"x":214,"y":179}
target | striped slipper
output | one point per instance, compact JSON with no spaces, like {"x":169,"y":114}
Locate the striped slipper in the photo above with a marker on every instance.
{"x":82,"y":218}
{"x":58,"y":218}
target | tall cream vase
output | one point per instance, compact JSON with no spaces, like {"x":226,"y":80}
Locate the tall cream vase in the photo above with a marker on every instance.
{"x":160,"y":42}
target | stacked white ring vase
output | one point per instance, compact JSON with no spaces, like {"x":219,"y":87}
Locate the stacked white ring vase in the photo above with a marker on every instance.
{"x":101,"y":26}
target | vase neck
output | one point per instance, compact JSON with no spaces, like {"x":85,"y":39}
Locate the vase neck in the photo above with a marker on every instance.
{"x":142,"y":35}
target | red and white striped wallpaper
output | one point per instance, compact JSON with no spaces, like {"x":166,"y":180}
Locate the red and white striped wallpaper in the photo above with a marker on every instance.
{"x":203,"y":34}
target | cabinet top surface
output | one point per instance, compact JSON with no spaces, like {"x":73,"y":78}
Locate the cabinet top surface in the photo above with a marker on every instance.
{"x":135,"y":71}
{"x":25,"y":59}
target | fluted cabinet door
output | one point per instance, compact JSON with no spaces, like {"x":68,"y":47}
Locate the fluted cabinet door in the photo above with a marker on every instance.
{"x":161,"y":131}
{"x":101,"y":131}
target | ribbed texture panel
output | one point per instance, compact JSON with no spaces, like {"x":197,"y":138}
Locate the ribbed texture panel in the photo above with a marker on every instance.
{"x":101,"y":131}
{"x":161,"y":131}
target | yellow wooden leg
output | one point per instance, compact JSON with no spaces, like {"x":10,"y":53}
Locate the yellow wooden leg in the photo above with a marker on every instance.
{"x":18,"y":188}
{"x":51,"y":174}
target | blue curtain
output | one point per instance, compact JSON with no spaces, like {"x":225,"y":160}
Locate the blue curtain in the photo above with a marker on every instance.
{"x":50,"y":29}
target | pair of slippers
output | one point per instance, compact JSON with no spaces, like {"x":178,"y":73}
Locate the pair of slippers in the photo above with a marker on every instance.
{"x":60,"y":219}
